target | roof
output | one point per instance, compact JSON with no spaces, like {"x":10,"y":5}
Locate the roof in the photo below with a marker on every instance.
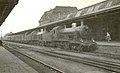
{"x":64,"y":8}
{"x":58,"y":13}
{"x":105,"y":5}
{"x":6,"y":7}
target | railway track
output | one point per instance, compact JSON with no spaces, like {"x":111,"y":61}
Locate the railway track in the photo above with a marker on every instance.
{"x":113,"y":56}
{"x":111,"y":66}
{"x":51,"y":68}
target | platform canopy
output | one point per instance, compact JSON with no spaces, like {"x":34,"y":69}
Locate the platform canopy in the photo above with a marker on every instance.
{"x":6,"y":7}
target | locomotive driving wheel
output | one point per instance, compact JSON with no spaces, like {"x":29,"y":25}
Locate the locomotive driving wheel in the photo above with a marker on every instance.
{"x":73,"y":46}
{"x":93,"y":47}
{"x":80,"y":48}
{"x":65,"y":46}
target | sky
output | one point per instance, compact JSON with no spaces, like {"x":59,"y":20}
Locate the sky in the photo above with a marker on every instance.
{"x":27,"y":13}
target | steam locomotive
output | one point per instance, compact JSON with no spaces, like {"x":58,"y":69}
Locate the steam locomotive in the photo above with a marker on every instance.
{"x":74,"y":38}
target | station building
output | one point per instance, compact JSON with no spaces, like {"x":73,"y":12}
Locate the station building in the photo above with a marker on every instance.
{"x":58,"y":13}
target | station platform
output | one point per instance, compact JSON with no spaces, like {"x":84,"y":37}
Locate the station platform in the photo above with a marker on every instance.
{"x":112,"y":47}
{"x":9,"y":63}
{"x":111,"y":43}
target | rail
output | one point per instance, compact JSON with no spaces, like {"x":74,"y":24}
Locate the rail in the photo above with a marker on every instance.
{"x":47,"y":65}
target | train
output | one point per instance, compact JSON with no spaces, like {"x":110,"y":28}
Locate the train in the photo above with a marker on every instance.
{"x":76,"y":38}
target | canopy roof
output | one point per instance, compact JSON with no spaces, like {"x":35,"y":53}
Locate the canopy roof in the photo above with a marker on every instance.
{"x":6,"y":7}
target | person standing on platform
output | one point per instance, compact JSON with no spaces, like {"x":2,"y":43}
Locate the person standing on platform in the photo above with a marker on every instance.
{"x":108,"y":38}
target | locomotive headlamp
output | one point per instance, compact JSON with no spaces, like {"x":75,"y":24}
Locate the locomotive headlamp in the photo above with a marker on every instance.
{"x":81,"y":40}
{"x":93,"y":40}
